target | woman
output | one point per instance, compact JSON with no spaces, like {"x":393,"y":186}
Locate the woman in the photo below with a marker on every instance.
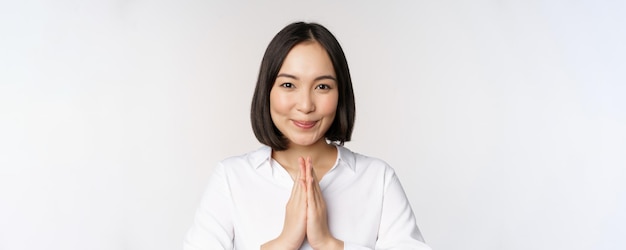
{"x":303,"y":189}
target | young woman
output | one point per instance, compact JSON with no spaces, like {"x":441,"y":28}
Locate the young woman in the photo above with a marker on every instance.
{"x":303,"y":189}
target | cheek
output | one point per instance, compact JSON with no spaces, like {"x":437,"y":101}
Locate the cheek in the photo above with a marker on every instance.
{"x":278,"y":103}
{"x":329,"y":106}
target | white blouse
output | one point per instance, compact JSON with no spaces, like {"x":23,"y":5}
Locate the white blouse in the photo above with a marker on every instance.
{"x":244,"y":204}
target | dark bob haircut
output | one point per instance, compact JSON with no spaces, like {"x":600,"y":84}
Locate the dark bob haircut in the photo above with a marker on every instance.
{"x":262,"y":125}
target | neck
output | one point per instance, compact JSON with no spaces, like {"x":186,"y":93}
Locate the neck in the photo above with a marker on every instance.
{"x":322,"y":154}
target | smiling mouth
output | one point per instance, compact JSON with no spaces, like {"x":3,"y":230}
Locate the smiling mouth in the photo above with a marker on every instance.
{"x":305,"y":124}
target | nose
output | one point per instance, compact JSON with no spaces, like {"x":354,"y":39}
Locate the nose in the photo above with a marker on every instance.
{"x":305,"y":102}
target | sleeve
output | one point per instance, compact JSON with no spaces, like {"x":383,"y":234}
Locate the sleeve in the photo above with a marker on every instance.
{"x":398,"y":229}
{"x":213,"y":226}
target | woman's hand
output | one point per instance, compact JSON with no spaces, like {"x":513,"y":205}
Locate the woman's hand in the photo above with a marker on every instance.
{"x":294,"y":227}
{"x":317,"y":231}
{"x":305,"y":215}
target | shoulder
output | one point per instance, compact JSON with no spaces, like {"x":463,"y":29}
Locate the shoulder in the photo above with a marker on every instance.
{"x":250,"y":159}
{"x":364,"y":163}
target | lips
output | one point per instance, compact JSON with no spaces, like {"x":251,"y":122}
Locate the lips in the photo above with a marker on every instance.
{"x":305,"y":124}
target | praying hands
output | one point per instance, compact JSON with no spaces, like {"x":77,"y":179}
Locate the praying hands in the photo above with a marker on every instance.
{"x":305,"y":215}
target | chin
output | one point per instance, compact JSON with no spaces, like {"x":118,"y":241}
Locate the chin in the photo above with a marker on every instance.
{"x":304,"y":142}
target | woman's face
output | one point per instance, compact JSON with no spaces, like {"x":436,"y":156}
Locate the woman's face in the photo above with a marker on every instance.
{"x":303,"y":99}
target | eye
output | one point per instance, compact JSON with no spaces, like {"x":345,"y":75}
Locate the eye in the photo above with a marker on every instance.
{"x":323,"y":86}
{"x":287,"y":85}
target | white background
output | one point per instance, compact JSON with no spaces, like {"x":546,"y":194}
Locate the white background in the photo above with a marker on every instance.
{"x":506,"y":120}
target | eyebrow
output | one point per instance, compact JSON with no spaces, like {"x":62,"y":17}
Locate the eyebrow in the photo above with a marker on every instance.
{"x":329,"y":77}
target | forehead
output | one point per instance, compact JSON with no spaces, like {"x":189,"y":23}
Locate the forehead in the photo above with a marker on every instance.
{"x":308,"y":59}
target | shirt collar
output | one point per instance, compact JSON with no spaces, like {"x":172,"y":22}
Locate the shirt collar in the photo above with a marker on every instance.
{"x":346,"y":157}
{"x":260,"y":156}
{"x":263,"y":155}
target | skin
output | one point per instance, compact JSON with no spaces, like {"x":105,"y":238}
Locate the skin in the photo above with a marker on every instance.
{"x":303,"y":104}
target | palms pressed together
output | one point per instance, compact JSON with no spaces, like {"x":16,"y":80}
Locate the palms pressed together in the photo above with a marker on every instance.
{"x":305,"y":215}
